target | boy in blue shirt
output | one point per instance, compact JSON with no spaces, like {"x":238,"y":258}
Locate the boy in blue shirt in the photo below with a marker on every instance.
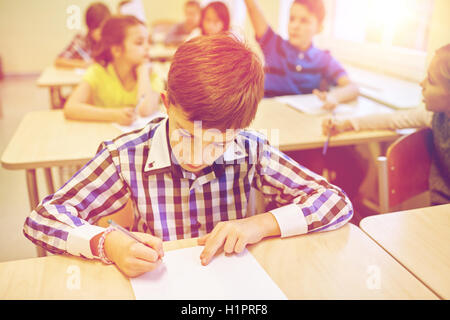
{"x":296,"y":66}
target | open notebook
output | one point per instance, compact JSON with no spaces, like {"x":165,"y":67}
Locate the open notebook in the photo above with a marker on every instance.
{"x":181,"y":276}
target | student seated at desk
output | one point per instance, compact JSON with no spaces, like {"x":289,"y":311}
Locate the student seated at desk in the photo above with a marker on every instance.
{"x":180,"y":32}
{"x":296,"y":66}
{"x":79,"y":53}
{"x":190,"y":175}
{"x":121,"y":75}
{"x":436,"y":95}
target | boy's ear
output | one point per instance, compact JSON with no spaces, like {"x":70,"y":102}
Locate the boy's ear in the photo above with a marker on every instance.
{"x":165,"y":99}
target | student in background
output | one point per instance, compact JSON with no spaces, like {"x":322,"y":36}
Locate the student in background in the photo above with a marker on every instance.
{"x":190,"y":175}
{"x":436,"y":96}
{"x":296,"y":66}
{"x":79,"y":53}
{"x":215,"y":18}
{"x":180,"y":32}
{"x":121,"y":75}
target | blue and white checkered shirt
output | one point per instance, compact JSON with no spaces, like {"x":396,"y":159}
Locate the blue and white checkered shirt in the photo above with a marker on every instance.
{"x":172,"y":203}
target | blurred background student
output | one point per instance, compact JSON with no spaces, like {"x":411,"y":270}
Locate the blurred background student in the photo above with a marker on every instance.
{"x":79,"y":53}
{"x":180,"y":32}
{"x":215,"y":18}
{"x":121,"y":75}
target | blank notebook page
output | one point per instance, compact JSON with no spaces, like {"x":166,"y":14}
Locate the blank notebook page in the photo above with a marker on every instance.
{"x":181,"y":276}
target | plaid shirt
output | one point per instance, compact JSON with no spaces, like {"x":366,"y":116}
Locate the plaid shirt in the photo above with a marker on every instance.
{"x":172,"y":203}
{"x":80,"y":48}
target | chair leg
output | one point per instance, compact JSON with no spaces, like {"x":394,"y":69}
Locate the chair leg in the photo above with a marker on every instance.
{"x":383,"y":184}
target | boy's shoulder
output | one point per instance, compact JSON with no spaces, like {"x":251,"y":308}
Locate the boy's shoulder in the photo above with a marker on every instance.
{"x":137,"y":139}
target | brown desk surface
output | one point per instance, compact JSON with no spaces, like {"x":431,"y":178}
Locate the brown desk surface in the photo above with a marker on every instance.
{"x":420,"y":240}
{"x":339,"y":264}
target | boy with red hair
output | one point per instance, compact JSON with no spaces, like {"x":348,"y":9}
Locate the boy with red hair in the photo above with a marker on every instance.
{"x":189,"y":175}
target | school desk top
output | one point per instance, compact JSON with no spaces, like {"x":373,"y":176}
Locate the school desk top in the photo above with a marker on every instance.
{"x":420,"y":240}
{"x":45,"y":138}
{"x":59,"y":77}
{"x":341,"y":264}
{"x":296,"y":130}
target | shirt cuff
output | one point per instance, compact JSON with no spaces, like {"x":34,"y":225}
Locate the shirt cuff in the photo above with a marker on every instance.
{"x":291,"y":220}
{"x":79,"y":240}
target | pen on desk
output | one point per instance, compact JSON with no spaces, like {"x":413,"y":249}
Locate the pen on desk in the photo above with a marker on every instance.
{"x":126,"y":232}
{"x":325,"y":146}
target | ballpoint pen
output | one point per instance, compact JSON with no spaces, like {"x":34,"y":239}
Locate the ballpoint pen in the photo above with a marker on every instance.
{"x":128,"y":233}
{"x":325,"y":146}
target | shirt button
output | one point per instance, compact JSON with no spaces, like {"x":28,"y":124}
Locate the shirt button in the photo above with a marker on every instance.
{"x":301,"y":55}
{"x":298,"y":68}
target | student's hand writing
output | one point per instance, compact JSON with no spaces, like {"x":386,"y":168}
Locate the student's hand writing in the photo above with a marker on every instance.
{"x":131,"y":257}
{"x":125,"y":116}
{"x":329,"y":100}
{"x":335,"y":126}
{"x":234,"y":235}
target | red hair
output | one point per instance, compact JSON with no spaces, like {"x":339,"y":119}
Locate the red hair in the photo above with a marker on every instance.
{"x":216,"y":79}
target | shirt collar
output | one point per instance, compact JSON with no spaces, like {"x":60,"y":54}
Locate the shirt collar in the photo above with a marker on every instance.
{"x":159,"y":155}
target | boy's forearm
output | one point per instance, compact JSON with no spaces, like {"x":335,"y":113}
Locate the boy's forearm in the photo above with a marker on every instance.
{"x":257,"y":18}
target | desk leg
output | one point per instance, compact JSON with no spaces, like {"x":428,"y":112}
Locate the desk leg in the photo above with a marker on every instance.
{"x":33,"y":197}
{"x":55,"y":97}
{"x":49,"y":180}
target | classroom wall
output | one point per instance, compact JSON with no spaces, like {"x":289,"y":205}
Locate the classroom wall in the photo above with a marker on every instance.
{"x":440,"y":27}
{"x":32,"y":33}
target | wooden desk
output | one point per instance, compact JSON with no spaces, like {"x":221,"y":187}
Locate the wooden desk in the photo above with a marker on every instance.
{"x":296,"y":130}
{"x":330,"y":265}
{"x":420,"y":240}
{"x":55,"y":78}
{"x":45,"y":139}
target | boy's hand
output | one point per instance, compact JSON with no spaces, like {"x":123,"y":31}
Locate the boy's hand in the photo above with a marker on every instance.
{"x":131,"y":257}
{"x":125,"y":116}
{"x":329,"y":100}
{"x":335,"y":126}
{"x":234,"y":235}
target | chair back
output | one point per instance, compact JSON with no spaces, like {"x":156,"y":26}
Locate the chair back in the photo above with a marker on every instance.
{"x":408,"y":166}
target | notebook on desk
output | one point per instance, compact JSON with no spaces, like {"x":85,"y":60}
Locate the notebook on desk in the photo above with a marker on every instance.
{"x":182,"y":277}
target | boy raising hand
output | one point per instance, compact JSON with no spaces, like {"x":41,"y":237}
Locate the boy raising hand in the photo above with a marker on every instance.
{"x":296,"y":66}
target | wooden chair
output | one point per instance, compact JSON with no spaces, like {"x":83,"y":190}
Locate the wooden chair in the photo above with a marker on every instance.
{"x":403,"y":173}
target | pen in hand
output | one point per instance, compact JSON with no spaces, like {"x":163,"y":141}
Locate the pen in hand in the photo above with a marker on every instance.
{"x":131,"y":235}
{"x":325,"y":146}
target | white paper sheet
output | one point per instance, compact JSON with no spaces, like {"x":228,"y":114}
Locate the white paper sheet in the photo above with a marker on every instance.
{"x":181,"y":276}
{"x":311,"y":104}
{"x":139,"y":123}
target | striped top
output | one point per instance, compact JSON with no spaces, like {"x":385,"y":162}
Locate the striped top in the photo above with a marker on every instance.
{"x":289,"y":71}
{"x":172,"y":203}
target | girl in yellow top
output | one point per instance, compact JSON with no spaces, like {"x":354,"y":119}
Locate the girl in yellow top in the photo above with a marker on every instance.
{"x":121,"y":75}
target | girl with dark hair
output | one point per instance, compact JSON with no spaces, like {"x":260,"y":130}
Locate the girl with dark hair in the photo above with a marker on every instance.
{"x":215,"y":18}
{"x":121,"y":76}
